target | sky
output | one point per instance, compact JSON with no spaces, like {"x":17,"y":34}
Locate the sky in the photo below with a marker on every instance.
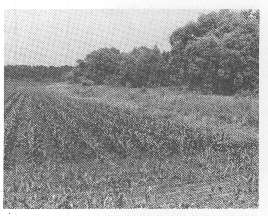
{"x":60,"y":37}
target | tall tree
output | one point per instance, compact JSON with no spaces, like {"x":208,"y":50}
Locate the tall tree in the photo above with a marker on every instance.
{"x":102,"y":63}
{"x":219,"y":51}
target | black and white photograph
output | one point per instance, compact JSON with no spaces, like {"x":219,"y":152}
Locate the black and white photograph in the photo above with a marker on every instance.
{"x":131,"y":109}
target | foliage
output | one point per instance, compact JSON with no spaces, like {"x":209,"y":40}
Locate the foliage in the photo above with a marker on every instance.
{"x":143,"y":67}
{"x":100,"y":63}
{"x":219,"y":51}
{"x":73,"y":76}
{"x":37,"y":73}
{"x":217,"y":54}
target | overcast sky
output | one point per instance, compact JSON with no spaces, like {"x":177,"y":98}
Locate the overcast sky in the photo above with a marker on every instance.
{"x":59,"y":37}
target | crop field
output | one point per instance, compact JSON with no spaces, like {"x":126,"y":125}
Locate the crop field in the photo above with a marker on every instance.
{"x":68,"y":152}
{"x":238,"y":116}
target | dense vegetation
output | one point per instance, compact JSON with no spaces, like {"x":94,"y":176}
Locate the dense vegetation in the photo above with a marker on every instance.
{"x":37,"y":73}
{"x":67,"y":152}
{"x":218,"y":54}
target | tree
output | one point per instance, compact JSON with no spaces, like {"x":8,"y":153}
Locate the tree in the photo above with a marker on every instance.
{"x":219,"y":51}
{"x":37,"y":73}
{"x":128,"y":70}
{"x":102,"y":63}
{"x":203,"y":62}
{"x":143,"y":67}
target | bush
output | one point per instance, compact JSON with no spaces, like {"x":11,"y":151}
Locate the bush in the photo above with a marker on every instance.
{"x":72,"y":76}
{"x":87,"y":83}
{"x":113,"y":80}
{"x":247,"y":93}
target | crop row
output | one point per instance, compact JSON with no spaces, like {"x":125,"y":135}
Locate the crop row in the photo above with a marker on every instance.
{"x":68,"y":128}
{"x":60,"y":130}
{"x":127,"y":133}
{"x":11,"y":102}
{"x":12,"y":121}
{"x":8,"y":95}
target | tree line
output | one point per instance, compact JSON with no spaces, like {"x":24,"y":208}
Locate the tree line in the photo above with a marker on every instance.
{"x":37,"y":73}
{"x":217,"y":54}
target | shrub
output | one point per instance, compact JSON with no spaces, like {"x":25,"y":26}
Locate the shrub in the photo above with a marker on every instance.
{"x":87,"y":82}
